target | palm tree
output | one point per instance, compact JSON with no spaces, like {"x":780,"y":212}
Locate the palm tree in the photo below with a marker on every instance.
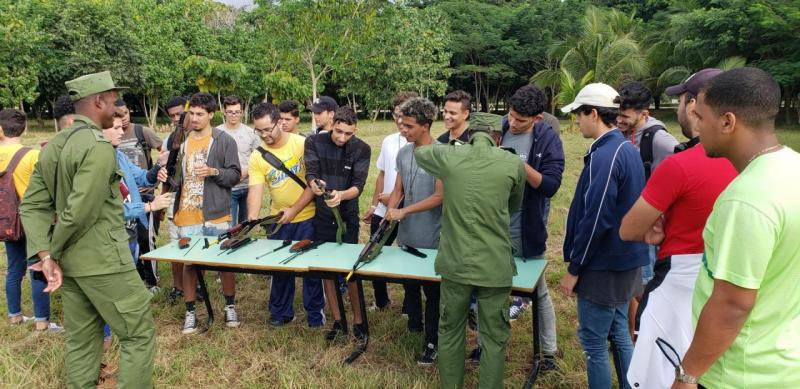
{"x":605,"y":51}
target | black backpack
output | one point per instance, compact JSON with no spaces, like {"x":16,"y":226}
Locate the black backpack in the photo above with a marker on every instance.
{"x":142,"y":142}
{"x":646,"y":149}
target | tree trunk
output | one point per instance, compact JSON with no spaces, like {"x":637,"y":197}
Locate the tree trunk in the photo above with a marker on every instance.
{"x":657,"y":102}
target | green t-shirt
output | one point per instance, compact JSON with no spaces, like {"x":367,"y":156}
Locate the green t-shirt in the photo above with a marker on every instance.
{"x":752,"y":240}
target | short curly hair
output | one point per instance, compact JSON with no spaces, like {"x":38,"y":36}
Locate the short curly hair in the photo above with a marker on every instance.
{"x":528,"y":100}
{"x":205,"y":101}
{"x":421,"y":109}
{"x":63,"y":107}
{"x":345,"y":115}
{"x":635,"y":95}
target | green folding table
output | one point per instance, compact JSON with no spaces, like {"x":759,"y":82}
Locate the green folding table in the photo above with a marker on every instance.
{"x":331,"y":261}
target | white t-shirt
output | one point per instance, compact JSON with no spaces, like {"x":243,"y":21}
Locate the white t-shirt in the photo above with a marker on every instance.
{"x":387,"y":161}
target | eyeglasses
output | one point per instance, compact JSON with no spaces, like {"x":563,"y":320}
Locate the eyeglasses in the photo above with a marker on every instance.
{"x":264,"y":130}
{"x":233,"y":113}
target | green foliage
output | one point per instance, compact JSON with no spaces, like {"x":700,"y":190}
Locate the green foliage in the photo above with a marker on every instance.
{"x":20,"y":36}
{"x":366,"y":50}
{"x":281,"y":85}
{"x":409,"y":52}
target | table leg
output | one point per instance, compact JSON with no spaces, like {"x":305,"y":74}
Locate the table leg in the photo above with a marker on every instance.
{"x":360,"y":348}
{"x":204,"y":293}
{"x":340,"y":301}
{"x":535,"y":331}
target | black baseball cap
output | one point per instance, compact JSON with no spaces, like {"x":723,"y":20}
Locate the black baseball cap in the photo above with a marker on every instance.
{"x":693,"y":83}
{"x":323,"y":103}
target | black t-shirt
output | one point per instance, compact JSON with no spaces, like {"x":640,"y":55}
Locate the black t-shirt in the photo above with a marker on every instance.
{"x":445,"y":138}
{"x":609,"y":288}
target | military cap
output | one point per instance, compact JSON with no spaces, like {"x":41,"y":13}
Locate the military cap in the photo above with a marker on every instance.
{"x":488,"y":122}
{"x":90,"y":84}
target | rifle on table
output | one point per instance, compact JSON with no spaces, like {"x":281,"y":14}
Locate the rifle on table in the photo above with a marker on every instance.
{"x":300,"y":248}
{"x":341,"y":228}
{"x":239,"y":235}
{"x":374,"y":246}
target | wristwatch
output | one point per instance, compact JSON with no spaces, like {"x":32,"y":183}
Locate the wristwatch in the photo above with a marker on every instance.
{"x":681,"y":376}
{"x":216,"y":172}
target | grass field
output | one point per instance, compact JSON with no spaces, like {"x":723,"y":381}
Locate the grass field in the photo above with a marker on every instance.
{"x":257,"y":355}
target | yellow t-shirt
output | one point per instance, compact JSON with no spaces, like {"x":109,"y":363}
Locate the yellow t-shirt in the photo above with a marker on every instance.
{"x":190,"y":212}
{"x":283,"y":191}
{"x":22,"y":174}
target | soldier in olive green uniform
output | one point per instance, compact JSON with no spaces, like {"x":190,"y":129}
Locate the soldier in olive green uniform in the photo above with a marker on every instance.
{"x":483,"y":185}
{"x":76,"y":182}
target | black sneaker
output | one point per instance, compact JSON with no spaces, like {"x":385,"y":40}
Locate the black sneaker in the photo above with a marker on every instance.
{"x":174,"y":296}
{"x":336,"y":332}
{"x":276,"y":322}
{"x":548,"y":363}
{"x":428,"y":355}
{"x":475,"y":356}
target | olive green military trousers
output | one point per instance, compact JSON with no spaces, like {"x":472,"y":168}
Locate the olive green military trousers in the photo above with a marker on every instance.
{"x":494,"y":326}
{"x":121,"y":300}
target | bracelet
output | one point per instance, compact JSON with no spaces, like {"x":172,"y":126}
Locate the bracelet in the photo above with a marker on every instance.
{"x":373,"y":206}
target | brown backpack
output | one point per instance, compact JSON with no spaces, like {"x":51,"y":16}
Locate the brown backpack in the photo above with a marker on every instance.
{"x":10,"y":224}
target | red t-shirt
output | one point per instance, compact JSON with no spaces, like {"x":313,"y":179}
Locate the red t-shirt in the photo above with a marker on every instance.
{"x":684,"y":188}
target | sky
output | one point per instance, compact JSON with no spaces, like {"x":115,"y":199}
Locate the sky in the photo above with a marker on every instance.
{"x":236,"y":3}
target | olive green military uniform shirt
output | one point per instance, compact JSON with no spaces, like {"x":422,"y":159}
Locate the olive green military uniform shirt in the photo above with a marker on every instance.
{"x":89,"y":236}
{"x":483,"y":185}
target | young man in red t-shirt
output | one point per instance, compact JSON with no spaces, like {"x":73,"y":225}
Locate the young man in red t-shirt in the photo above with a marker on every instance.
{"x":671,"y":213}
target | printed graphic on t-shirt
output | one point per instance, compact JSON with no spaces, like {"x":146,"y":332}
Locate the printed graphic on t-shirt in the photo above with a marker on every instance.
{"x":276,"y":177}
{"x":193,"y":185}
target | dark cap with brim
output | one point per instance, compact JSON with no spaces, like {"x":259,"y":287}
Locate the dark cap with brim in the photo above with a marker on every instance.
{"x":693,"y":83}
{"x":91,"y":84}
{"x":322,"y":104}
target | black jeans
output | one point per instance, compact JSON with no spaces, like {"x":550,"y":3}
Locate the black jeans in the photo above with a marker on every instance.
{"x":414,"y":309}
{"x":381,"y":292}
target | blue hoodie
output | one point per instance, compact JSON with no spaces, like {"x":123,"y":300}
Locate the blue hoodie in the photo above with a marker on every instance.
{"x":610,"y":183}
{"x":547,"y":157}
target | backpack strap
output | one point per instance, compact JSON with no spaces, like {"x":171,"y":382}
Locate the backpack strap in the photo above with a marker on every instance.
{"x":142,"y":142}
{"x":278,"y":164}
{"x":58,"y":159}
{"x":646,"y":149}
{"x":15,"y":160}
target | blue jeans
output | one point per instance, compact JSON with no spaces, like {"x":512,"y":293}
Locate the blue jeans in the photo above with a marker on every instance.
{"x":598,"y":323}
{"x":238,"y":206}
{"x":17,"y":264}
{"x":281,"y":296}
{"x":647,"y":270}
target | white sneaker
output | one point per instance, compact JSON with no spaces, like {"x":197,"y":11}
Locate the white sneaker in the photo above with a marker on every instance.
{"x":190,"y":323}
{"x":52,"y":328}
{"x":231,"y":318}
{"x":154,"y":290}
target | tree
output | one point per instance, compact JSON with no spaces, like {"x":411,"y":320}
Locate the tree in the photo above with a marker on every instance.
{"x":159,"y":51}
{"x":479,"y":32}
{"x":605,"y":51}
{"x":409,"y":52}
{"x":214,"y":76}
{"x":321,"y":34}
{"x":20,"y":36}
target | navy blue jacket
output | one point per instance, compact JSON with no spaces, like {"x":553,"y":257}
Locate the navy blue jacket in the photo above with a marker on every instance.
{"x":610,"y":183}
{"x":547,"y":157}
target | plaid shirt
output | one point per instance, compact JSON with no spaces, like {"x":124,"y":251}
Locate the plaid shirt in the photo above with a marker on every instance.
{"x":341,"y":168}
